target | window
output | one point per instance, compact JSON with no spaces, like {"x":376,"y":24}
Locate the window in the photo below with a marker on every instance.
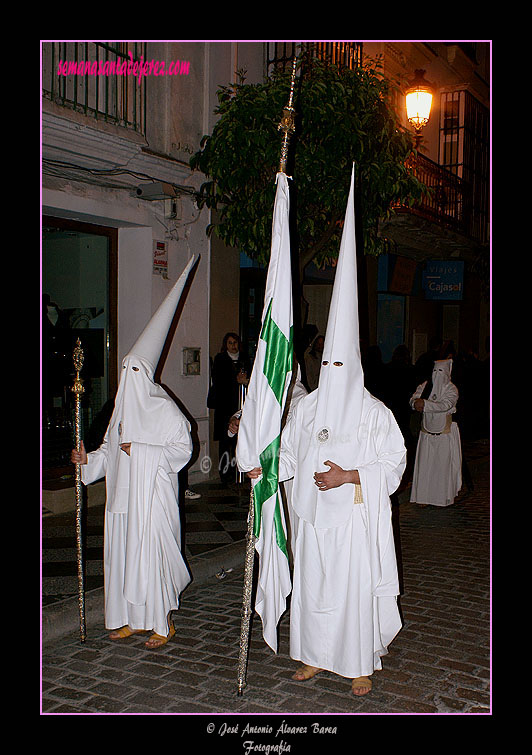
{"x":108,"y":96}
{"x":464,"y":151}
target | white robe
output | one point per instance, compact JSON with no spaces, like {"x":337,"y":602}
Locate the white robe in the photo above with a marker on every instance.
{"x":344,"y":610}
{"x":144,"y":570}
{"x":437,"y":477}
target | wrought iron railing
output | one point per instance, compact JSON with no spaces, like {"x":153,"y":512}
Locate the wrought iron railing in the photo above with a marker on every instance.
{"x":448,"y":201}
{"x":279,"y":55}
{"x":95,"y":81}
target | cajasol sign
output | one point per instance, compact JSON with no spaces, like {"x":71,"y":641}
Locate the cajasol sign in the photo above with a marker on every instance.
{"x":443,"y":279}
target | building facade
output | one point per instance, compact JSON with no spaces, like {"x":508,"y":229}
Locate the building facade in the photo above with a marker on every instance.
{"x":434,"y":283}
{"x":437,"y":274}
{"x":120,"y":121}
{"x":120,"y":220}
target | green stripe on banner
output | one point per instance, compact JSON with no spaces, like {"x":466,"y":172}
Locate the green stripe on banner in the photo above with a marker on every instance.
{"x":277,"y":363}
{"x":265,"y":488}
{"x":278,"y":357}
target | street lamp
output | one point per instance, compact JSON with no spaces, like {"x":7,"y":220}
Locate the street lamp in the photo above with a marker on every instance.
{"x":419,"y":102}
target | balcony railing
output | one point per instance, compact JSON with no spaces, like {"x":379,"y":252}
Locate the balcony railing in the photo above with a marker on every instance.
{"x":102,"y":92}
{"x":449,"y":198}
{"x":279,"y":55}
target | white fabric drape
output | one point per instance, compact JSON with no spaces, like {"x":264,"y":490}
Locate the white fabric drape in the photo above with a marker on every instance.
{"x":345,"y":584}
{"x":143,"y":565}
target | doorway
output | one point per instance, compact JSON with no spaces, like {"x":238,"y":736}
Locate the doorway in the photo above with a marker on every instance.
{"x":79,"y":300}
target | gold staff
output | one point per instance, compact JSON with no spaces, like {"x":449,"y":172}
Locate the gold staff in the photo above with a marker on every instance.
{"x":78,"y":389}
{"x":246,"y":597}
{"x":288,"y":126}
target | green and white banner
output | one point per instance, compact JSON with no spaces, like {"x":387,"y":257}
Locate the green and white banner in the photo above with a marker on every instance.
{"x":259,"y":432}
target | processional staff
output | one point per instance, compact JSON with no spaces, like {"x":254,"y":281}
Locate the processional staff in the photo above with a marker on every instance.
{"x":78,"y":389}
{"x":241,"y":398}
{"x":288,"y":126}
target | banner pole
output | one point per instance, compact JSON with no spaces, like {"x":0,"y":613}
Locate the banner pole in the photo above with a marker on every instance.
{"x":246,"y":597}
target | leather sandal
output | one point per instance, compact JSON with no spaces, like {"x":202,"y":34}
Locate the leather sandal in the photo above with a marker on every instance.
{"x":361,"y":685}
{"x":160,"y":639}
{"x":121,"y":634}
{"x":307,"y":673}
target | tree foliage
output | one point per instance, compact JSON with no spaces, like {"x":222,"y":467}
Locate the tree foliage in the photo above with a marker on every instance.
{"x":343,"y":116}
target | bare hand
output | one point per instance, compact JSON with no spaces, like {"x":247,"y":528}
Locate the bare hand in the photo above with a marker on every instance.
{"x":126,"y":447}
{"x":254,"y":473}
{"x":419,"y":403}
{"x":242,"y":378}
{"x":79,"y":457}
{"x":234,"y":422}
{"x":335,"y":477}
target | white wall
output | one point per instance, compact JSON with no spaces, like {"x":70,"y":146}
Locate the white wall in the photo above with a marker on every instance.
{"x":134,"y":285}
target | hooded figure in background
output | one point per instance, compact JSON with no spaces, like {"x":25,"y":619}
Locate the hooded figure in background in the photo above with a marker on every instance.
{"x":146,"y":444}
{"x":438,"y":466}
{"x":344,"y":608}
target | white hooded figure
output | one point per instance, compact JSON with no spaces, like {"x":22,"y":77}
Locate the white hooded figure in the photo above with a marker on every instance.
{"x":146,"y":444}
{"x":437,"y":475}
{"x":344,"y":608}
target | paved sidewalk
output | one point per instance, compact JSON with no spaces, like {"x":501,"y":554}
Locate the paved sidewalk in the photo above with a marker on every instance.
{"x":210,"y":525}
{"x":439,"y":663}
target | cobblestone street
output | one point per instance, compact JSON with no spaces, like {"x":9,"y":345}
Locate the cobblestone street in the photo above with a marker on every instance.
{"x":439,"y":663}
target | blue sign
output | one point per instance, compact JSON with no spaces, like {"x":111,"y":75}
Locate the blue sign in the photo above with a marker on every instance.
{"x":444,"y":279}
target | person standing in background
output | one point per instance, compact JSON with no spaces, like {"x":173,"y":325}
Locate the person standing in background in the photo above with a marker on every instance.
{"x":231,"y":368}
{"x":437,"y":477}
{"x":313,"y":362}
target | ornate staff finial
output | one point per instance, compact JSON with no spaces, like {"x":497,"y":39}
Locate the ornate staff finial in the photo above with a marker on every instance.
{"x":287,"y":123}
{"x":77,"y":358}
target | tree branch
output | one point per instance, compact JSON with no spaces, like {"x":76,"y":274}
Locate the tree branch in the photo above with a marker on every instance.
{"x":305,"y":257}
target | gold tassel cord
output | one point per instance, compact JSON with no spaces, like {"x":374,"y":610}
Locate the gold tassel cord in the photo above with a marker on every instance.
{"x":78,"y":389}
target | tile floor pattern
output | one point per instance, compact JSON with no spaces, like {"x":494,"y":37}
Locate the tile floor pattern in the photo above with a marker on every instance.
{"x":216,"y":519}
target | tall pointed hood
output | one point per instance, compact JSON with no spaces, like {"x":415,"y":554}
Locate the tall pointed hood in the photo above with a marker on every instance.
{"x":332,"y":433}
{"x":150,"y":343}
{"x":341,"y":382}
{"x":143,"y":411}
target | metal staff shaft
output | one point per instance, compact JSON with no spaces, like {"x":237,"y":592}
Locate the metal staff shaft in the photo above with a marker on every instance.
{"x":78,"y":389}
{"x":246,"y":600}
